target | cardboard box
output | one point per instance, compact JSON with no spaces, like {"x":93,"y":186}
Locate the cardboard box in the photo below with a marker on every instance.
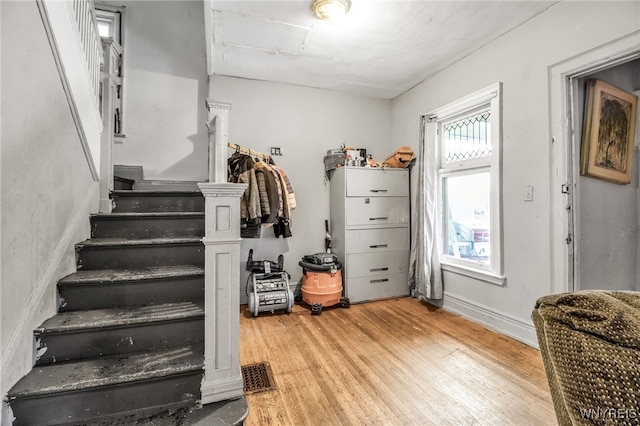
{"x":400,"y":159}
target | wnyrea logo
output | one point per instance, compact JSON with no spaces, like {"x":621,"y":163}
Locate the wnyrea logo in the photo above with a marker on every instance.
{"x":607,"y":413}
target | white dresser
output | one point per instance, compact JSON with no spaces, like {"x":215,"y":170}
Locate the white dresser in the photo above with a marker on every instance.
{"x":370,"y":230}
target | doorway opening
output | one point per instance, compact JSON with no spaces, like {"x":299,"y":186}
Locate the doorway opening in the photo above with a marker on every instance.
{"x":605,"y":214}
{"x":594,"y":223}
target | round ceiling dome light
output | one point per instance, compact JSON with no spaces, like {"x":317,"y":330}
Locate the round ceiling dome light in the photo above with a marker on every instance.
{"x":330,"y":9}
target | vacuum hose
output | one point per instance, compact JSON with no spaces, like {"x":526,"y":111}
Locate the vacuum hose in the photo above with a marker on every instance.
{"x":336,"y":265}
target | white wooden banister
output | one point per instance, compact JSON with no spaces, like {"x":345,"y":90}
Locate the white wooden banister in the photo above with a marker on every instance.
{"x":85,"y":20}
{"x":222,"y":375}
{"x":75,"y":43}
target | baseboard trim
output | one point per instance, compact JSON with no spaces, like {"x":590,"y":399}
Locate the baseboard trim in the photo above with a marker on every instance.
{"x":25,"y":326}
{"x":497,"y":321}
{"x":221,"y":390}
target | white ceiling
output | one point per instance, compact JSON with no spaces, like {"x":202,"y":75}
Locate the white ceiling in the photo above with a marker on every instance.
{"x":380,"y":48}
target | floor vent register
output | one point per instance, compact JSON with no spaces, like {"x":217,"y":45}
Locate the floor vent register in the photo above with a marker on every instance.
{"x":257,"y":378}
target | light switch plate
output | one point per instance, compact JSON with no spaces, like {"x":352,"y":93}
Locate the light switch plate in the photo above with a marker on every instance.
{"x":528,"y":193}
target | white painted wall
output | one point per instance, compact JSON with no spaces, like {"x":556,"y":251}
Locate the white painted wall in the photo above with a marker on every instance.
{"x":3,"y":414}
{"x":304,"y":123}
{"x":47,"y":189}
{"x":606,"y":237}
{"x":165,"y":89}
{"x":521,"y":60}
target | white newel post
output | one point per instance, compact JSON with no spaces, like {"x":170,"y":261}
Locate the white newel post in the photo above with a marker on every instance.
{"x":222,"y":375}
{"x":218,"y":123}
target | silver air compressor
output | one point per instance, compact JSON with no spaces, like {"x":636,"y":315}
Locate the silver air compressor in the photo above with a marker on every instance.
{"x":268,"y":286}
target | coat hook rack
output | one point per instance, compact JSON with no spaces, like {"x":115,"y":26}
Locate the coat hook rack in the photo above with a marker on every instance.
{"x":248,"y":151}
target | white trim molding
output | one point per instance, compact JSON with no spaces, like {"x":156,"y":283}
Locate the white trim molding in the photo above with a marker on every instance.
{"x":502,"y":323}
{"x":486,"y":276}
{"x":221,"y":105}
{"x":222,"y":389}
{"x":487,"y":100}
{"x":562,"y":144}
{"x":215,"y":189}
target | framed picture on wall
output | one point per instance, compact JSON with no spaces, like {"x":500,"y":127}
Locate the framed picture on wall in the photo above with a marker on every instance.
{"x":608,"y":132}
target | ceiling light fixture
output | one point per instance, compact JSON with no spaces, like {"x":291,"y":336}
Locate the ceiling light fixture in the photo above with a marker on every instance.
{"x":330,"y":9}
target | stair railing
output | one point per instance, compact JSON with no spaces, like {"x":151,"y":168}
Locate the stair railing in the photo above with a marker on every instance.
{"x":85,"y":19}
{"x":72,"y":31}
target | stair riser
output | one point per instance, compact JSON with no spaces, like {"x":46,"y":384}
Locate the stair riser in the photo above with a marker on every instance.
{"x":91,"y":257}
{"x":111,"y":341}
{"x":128,"y":400}
{"x":151,"y":204}
{"x":120,"y":183}
{"x":110,"y":227}
{"x":132,"y":293}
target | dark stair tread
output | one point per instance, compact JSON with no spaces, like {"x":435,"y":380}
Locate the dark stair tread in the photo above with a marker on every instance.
{"x":96,"y":319}
{"x":118,"y":242}
{"x":145,"y":215}
{"x":230,"y":412}
{"x":124,"y":275}
{"x":153,"y":192}
{"x":109,"y":370}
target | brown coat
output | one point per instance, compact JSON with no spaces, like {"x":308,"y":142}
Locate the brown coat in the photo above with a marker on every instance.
{"x":268,"y":192}
{"x":240,"y":170}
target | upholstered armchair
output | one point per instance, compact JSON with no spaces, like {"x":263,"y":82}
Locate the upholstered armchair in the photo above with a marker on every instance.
{"x":590,"y":347}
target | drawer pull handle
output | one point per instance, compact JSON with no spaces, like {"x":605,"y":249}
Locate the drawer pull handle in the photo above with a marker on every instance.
{"x":378,"y":269}
{"x":377,"y":190}
{"x":383,"y":280}
{"x":378,"y":218}
{"x":378,"y":245}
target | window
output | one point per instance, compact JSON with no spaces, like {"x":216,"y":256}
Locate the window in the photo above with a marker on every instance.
{"x":109,"y":22}
{"x":468,"y":134}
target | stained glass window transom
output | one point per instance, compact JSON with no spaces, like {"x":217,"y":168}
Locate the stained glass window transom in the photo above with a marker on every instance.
{"x":467,"y":138}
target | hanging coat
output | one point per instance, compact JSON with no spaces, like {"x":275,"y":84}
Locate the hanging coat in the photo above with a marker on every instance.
{"x":241,"y":170}
{"x":291,"y":198}
{"x":282,"y":226}
{"x":268,"y":193}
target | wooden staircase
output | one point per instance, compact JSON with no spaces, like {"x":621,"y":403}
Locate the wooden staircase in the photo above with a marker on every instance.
{"x":127,"y":342}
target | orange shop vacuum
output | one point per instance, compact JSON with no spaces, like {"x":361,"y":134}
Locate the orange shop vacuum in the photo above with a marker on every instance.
{"x":322,"y":282}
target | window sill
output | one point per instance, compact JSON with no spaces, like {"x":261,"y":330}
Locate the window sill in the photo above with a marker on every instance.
{"x":485,"y":276}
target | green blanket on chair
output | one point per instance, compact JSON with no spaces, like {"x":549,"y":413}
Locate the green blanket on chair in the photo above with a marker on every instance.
{"x":590,"y":346}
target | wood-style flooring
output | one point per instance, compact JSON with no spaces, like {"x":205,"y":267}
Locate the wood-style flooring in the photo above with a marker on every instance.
{"x":391,"y":362}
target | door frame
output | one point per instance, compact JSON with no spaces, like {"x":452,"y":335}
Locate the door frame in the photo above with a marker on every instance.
{"x":563,"y":102}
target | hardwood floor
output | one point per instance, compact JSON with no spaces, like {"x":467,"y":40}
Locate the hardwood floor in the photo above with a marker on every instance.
{"x":391,"y":362}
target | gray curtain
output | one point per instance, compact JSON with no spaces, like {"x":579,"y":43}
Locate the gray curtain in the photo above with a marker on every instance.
{"x":425,"y":276}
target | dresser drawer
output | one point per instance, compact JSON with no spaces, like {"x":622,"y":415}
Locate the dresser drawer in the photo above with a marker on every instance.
{"x":381,"y":263}
{"x":371,"y":288}
{"x":371,"y":211}
{"x":365,"y":182}
{"x":375,"y":240}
